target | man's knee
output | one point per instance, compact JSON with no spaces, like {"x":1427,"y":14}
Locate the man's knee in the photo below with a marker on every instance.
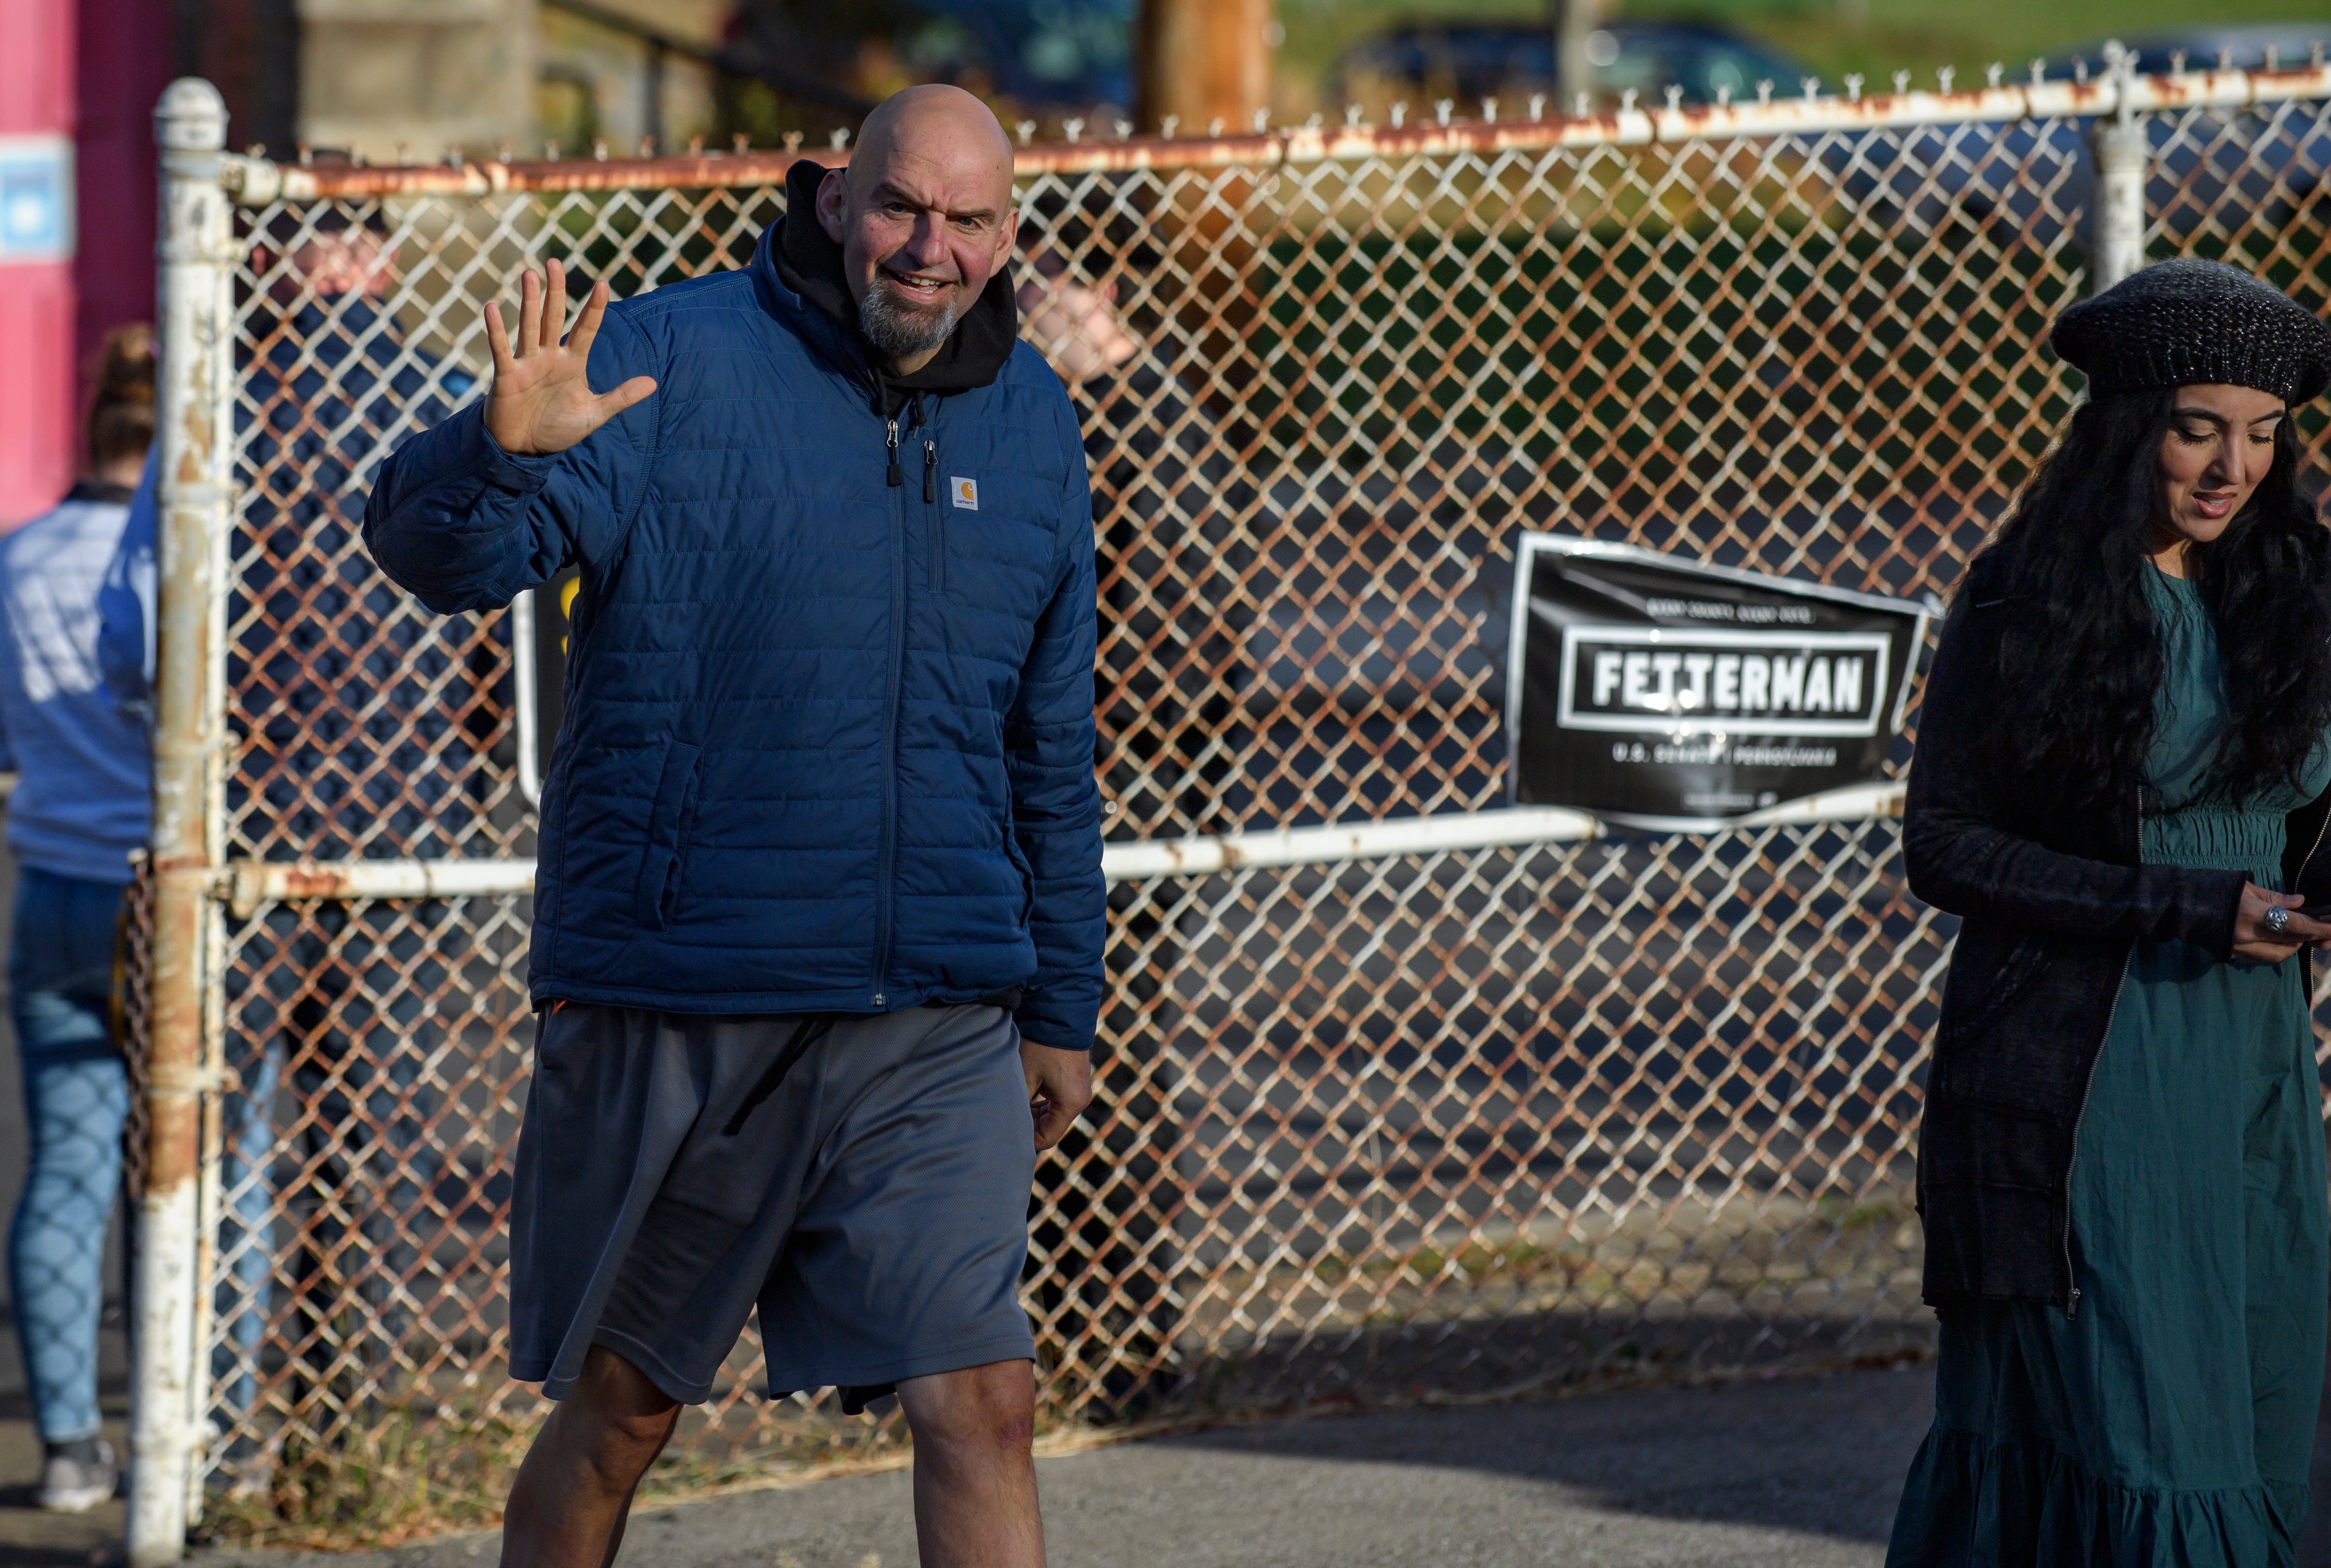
{"x":621,"y":1436}
{"x":617,"y":1416}
{"x":978,"y":1411}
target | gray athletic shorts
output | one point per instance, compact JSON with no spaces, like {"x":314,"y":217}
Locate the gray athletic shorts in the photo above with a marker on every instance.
{"x":871,"y":1199}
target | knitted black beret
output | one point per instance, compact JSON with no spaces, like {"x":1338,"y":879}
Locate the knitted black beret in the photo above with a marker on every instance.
{"x":2191,"y":323}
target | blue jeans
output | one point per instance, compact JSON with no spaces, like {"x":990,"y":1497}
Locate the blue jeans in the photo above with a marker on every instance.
{"x":59,"y":990}
{"x":324,"y":1257}
{"x":246,"y":1240}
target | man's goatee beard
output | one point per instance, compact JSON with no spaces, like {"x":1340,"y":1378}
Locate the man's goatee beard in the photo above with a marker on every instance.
{"x":898,"y":333}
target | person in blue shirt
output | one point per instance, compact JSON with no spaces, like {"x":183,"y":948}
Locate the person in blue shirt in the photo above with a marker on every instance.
{"x":79,"y":810}
{"x":320,"y":993}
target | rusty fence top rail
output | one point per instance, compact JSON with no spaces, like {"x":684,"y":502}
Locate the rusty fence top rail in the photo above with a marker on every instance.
{"x":248,"y":884}
{"x":257,"y":182}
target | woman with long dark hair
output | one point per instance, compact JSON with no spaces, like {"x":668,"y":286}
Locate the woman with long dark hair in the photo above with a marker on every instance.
{"x":2121,"y":785}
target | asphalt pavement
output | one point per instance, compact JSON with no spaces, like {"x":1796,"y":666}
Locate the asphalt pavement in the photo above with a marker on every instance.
{"x":1794,"y":1473}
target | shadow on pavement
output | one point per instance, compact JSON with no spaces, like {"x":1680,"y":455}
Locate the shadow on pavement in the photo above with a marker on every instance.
{"x":1824,"y":1455}
{"x":1504,"y":1346}
{"x":56,"y":1556}
{"x":32,"y":1539}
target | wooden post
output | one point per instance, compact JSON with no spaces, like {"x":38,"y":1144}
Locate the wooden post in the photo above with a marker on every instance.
{"x":1204,"y":61}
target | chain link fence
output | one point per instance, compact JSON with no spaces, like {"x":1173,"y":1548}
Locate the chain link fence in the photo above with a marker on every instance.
{"x":1424,"y":1125}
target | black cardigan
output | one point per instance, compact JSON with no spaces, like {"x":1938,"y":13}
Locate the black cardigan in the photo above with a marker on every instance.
{"x":2053,"y":901}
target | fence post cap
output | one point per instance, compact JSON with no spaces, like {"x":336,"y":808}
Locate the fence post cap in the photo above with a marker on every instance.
{"x":190,"y":116}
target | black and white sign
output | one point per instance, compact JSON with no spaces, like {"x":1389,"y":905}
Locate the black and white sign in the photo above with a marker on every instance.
{"x":1659,"y":691}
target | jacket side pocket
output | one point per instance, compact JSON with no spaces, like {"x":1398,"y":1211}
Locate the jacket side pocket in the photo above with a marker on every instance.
{"x":1011,"y":851}
{"x":1027,"y":876}
{"x":1956,"y":1072}
{"x":657,"y":892}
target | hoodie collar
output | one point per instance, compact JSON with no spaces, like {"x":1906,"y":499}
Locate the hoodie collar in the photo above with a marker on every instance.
{"x":809,"y":264}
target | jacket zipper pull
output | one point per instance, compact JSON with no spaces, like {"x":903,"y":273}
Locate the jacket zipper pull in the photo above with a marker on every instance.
{"x":894,"y":476}
{"x":930,"y":472}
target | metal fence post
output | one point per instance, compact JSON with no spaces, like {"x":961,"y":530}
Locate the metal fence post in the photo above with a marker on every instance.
{"x":193,"y":430}
{"x":2122,"y":153}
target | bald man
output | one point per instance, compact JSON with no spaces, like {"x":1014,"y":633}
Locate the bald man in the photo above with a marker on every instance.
{"x":817,"y":939}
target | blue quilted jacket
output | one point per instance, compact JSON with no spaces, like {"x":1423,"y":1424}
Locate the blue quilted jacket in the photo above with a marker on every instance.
{"x":828,"y":741}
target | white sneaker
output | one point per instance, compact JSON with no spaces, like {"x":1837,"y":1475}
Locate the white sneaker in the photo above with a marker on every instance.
{"x":71,"y":1485}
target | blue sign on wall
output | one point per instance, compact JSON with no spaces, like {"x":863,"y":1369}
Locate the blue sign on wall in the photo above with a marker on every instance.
{"x":36,"y":189}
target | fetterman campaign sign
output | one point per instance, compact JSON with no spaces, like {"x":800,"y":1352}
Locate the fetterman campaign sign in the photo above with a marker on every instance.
{"x":1659,"y":691}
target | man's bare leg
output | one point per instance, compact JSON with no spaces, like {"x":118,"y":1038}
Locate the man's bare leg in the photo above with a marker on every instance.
{"x":574,"y":1492}
{"x":975,"y":1476}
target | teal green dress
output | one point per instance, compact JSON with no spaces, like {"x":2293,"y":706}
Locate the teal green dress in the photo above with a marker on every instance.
{"x":2170,"y":1422}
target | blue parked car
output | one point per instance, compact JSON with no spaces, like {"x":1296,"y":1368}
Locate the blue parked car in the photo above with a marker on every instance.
{"x":1063,"y":54}
{"x":1038,"y":57}
{"x":2243,"y":48}
{"x":1468,"y":62}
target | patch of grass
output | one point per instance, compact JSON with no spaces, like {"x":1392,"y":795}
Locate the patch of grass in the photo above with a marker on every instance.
{"x":1514,"y":1261}
{"x":410,"y":1478}
{"x":414,"y":1475}
{"x":1873,"y":37}
{"x":1877,"y":37}
{"x":1846,"y":1214}
{"x":417,"y":1476}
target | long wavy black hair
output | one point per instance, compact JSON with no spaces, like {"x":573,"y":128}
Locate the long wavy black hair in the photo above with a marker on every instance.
{"x":2079,"y":659}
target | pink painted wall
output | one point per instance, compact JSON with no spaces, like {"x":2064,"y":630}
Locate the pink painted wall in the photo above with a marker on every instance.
{"x":39,"y":439}
{"x":36,"y":65}
{"x":78,"y":83}
{"x":37,"y":376}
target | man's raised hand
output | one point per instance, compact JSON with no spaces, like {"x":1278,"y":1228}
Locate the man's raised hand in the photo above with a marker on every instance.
{"x":542,"y":401}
